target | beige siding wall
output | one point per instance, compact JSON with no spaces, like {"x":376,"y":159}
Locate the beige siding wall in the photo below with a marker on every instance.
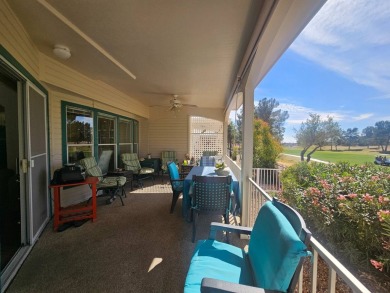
{"x":16,"y":41}
{"x":169,"y":131}
{"x":56,"y":73}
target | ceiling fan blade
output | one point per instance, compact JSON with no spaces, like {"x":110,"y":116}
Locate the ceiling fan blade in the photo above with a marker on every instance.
{"x":189,"y":105}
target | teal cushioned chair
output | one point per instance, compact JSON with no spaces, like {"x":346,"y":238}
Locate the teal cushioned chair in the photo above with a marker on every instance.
{"x":113,"y":185}
{"x":177,"y":182}
{"x":276,"y":250}
{"x":131,"y":162}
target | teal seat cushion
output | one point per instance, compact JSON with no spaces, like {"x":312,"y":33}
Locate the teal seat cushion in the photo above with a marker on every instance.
{"x":218,"y":260}
{"x":274,"y":249}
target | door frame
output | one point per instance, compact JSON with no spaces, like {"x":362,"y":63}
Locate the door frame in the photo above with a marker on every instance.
{"x":25,"y":81}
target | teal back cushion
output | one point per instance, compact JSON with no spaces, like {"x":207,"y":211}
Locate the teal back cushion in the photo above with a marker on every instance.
{"x":173,"y":171}
{"x":174,"y":174}
{"x":274,"y":249}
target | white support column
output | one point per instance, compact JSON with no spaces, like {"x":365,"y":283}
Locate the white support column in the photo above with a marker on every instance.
{"x":247,"y":150}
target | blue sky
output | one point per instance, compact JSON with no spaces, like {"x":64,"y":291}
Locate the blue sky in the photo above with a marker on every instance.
{"x":338,"y":66}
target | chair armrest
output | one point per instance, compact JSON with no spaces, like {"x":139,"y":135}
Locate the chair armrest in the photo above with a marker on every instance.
{"x":215,"y":227}
{"x":218,"y":286}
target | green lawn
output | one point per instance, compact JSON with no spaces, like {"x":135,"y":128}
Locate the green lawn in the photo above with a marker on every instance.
{"x":354,"y":156}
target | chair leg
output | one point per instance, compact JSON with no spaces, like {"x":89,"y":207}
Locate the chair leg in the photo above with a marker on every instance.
{"x":194,"y":218}
{"x":120,"y":194}
{"x":226,"y":218}
{"x":174,"y":200}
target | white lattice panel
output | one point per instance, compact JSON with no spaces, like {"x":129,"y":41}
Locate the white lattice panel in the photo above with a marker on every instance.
{"x":206,"y":135}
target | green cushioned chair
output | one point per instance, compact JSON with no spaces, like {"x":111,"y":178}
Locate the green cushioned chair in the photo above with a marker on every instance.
{"x":131,"y":162}
{"x":112,"y":185}
{"x":167,"y":156}
{"x":277,"y":247}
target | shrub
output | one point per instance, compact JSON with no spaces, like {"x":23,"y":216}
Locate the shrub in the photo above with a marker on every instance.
{"x":265,"y":147}
{"x":348,"y":204}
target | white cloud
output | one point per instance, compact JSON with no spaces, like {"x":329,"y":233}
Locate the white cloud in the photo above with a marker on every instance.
{"x":352,"y":39}
{"x":363,"y":116}
{"x":299,"y":114}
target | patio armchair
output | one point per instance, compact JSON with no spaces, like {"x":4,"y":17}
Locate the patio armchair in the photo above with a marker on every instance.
{"x":177,"y":182}
{"x":111,"y":185}
{"x":167,"y":156}
{"x":276,"y":250}
{"x":104,"y":161}
{"x":207,"y":161}
{"x":131,"y":162}
{"x":210,"y":195}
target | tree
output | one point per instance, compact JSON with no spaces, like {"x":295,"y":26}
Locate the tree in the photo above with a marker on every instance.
{"x":314,"y":133}
{"x":266,"y":111}
{"x":382,"y":134}
{"x":265,"y":147}
{"x":335,"y":133}
{"x":351,"y":135}
{"x":368,"y":136}
{"x":232,"y":137}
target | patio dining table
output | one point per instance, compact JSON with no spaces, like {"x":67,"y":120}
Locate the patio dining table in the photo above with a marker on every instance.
{"x":207,"y":171}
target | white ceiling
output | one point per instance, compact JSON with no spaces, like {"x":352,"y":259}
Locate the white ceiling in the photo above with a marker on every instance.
{"x":192,"y":48}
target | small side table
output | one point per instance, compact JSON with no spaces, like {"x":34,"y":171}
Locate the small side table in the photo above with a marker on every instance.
{"x":74,"y":212}
{"x":126,"y":173}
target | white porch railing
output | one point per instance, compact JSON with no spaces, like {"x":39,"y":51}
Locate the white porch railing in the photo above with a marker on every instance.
{"x":258,"y":197}
{"x":267,"y":179}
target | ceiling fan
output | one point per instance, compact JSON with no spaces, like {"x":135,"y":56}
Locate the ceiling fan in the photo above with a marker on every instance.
{"x":175,"y":104}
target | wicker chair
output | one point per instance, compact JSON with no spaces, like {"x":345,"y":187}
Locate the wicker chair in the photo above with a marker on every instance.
{"x":112,"y":185}
{"x":210,"y":195}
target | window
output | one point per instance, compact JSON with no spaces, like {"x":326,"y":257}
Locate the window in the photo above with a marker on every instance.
{"x":125,"y":136}
{"x":79,"y":134}
{"x":91,"y":132}
{"x":107,"y":141}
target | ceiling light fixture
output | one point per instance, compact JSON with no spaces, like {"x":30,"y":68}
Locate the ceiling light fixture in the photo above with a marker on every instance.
{"x":62,"y":52}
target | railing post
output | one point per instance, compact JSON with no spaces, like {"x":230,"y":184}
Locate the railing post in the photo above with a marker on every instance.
{"x":300,"y":281}
{"x":314,"y":270}
{"x":332,"y":280}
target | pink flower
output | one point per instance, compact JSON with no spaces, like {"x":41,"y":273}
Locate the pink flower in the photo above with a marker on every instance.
{"x":352,"y":195}
{"x":367,"y":197}
{"x":382,"y":214}
{"x":375,"y":178}
{"x":341,"y":197}
{"x":377,"y":264}
{"x":313,"y":191}
{"x":325,"y":184}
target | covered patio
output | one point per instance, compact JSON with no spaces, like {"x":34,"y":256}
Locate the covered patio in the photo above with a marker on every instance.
{"x":138,"y":247}
{"x":122,"y":64}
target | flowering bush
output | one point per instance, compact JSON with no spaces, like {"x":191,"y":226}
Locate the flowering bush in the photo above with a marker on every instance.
{"x":347,"y":204}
